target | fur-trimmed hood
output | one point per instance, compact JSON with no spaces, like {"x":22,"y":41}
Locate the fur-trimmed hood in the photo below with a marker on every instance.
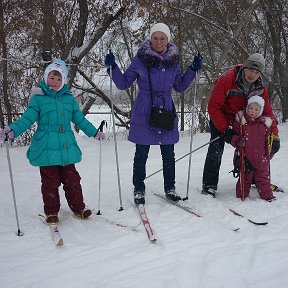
{"x":244,"y":118}
{"x":148,"y":56}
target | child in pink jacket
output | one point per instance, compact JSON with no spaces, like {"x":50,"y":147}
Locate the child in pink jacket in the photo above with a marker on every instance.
{"x":253,"y":131}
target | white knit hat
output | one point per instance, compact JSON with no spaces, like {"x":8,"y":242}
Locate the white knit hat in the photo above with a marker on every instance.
{"x":255,"y":61}
{"x":259,"y":100}
{"x":58,"y":65}
{"x":160,"y":27}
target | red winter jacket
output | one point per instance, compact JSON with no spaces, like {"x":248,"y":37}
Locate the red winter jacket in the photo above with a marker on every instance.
{"x":228,"y":97}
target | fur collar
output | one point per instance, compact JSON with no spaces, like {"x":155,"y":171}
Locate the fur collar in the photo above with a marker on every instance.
{"x":245,"y":118}
{"x":148,"y":56}
{"x":43,"y":89}
{"x":36,"y":91}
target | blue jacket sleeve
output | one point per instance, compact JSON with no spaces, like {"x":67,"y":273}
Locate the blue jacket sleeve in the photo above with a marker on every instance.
{"x":182,"y":82}
{"x":126,"y":79}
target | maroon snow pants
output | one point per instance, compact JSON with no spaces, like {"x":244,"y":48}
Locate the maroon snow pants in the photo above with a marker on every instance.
{"x":262,"y":180}
{"x":51,"y":179}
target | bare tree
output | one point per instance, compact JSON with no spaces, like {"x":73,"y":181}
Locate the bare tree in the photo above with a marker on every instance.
{"x":81,"y":31}
{"x":4,"y":100}
{"x":276,"y":14}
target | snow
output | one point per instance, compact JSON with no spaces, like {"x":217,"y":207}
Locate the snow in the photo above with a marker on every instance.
{"x":190,"y":252}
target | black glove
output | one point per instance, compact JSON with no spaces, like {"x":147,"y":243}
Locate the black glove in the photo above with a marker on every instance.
{"x":197,"y":62}
{"x":227,"y":135}
{"x":275,"y":146}
{"x":110,"y":60}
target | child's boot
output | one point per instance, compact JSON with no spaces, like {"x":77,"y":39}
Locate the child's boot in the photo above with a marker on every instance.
{"x":83,"y":214}
{"x":52,"y":218}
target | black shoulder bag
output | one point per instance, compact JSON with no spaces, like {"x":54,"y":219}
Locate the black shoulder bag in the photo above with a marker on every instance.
{"x":159,"y":117}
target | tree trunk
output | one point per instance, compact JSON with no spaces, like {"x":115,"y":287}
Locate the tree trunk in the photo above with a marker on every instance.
{"x":5,"y":101}
{"x":274,"y":16}
{"x":46,"y":41}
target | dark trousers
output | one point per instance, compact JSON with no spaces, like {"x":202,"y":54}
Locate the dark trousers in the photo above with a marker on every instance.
{"x":51,"y":179}
{"x":213,"y":159}
{"x":139,"y":166}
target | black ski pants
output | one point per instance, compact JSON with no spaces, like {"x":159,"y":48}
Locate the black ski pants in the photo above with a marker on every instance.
{"x":213,"y":159}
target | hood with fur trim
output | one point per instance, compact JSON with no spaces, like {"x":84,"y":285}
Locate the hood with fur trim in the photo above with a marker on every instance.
{"x":148,"y":56}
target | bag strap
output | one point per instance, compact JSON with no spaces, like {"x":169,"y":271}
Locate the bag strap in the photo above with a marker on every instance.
{"x":150,"y":83}
{"x":150,"y":88}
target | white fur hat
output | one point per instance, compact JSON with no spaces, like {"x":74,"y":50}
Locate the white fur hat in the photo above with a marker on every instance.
{"x":160,"y":27}
{"x":259,"y":100}
{"x":255,"y":61}
{"x":58,"y":65}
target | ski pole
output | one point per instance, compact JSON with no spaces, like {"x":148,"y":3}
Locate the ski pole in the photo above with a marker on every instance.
{"x":215,"y":139}
{"x":242,"y":165}
{"x":100,"y":128}
{"x":191,"y":139}
{"x":115,"y":140}
{"x":19,"y":232}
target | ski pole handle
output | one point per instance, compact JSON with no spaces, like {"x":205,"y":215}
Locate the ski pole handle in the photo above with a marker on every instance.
{"x":100,"y":128}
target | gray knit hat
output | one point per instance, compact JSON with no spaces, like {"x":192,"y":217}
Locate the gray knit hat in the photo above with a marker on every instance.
{"x":255,"y":61}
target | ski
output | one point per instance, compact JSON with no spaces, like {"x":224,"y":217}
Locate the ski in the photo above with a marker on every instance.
{"x":275,"y":188}
{"x":146,"y":223}
{"x":186,"y":208}
{"x":55,"y":234}
{"x":115,"y":223}
{"x":251,"y":221}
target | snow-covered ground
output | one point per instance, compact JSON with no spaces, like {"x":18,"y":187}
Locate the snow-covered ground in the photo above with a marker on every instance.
{"x":190,"y":252}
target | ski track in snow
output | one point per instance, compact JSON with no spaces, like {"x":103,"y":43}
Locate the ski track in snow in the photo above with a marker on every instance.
{"x":190,"y":251}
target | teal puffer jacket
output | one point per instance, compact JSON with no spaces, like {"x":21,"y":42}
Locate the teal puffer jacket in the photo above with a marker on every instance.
{"x":54,"y":142}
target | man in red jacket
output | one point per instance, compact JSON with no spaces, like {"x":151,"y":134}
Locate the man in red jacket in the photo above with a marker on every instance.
{"x":230,"y":95}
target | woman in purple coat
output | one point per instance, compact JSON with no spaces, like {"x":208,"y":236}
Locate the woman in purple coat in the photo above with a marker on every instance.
{"x":162,"y":58}
{"x":256,"y":130}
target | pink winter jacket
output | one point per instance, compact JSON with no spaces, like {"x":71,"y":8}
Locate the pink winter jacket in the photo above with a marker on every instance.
{"x":255,"y":133}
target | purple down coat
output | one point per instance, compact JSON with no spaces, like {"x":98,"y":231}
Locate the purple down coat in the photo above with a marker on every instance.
{"x":165,"y":75}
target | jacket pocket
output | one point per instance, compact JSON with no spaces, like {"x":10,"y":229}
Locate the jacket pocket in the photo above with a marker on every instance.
{"x":48,"y":113}
{"x":38,"y":145}
{"x":68,"y":111}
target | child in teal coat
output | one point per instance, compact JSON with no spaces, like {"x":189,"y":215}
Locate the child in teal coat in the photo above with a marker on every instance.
{"x":54,"y":148}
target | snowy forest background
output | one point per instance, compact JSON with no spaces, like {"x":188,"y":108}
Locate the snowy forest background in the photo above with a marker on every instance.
{"x":191,"y":252}
{"x":81,"y":32}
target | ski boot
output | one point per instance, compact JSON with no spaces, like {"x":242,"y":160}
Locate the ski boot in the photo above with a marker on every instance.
{"x":209,"y":191}
{"x":83,"y":214}
{"x":52,"y":218}
{"x":172,"y":195}
{"x":139,"y":197}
